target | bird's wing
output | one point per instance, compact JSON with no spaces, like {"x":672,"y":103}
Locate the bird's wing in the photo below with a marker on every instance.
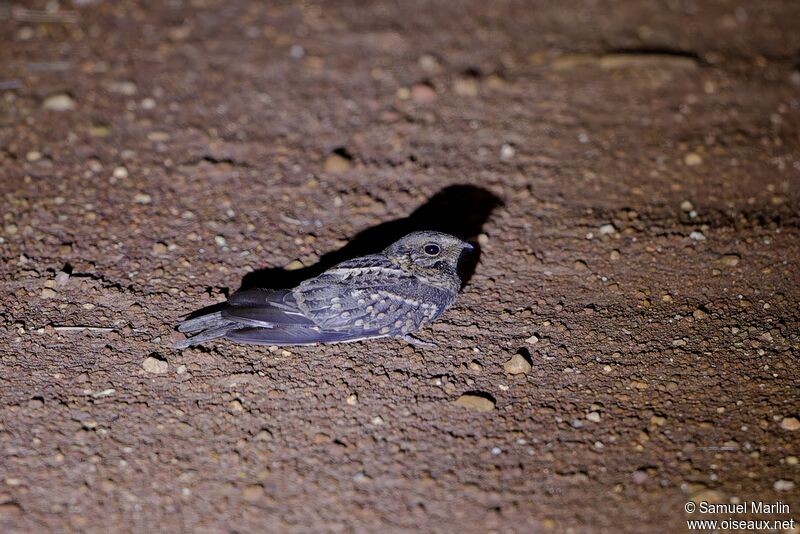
{"x":264,"y":308}
{"x":367,"y":296}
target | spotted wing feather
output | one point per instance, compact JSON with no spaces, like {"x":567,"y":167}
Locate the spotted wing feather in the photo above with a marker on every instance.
{"x":369,"y":296}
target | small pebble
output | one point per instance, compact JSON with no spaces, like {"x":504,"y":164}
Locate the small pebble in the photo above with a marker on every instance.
{"x":142,"y":198}
{"x":594,"y":417}
{"x":294,"y":265}
{"x":123,"y":88}
{"x":697,"y":236}
{"x":62,"y":278}
{"x":48,"y":293}
{"x":475,"y":402}
{"x":59,"y":102}
{"x":687,"y":206}
{"x":692,"y":159}
{"x":518,"y":364}
{"x":429,"y":63}
{"x":790,"y":423}
{"x":158,"y":137}
{"x":467,"y":86}
{"x":507,"y":152}
{"x":155,"y":365}
{"x":608,"y":229}
{"x":337,"y":163}
{"x":783,"y":485}
{"x":657,"y":420}
{"x":423,"y":93}
{"x":730,"y":260}
{"x":253,"y":492}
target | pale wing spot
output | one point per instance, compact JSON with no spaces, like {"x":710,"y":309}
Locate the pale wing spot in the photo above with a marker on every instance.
{"x":397,"y":299}
{"x":429,"y":310}
{"x":356,"y":271}
{"x":384,"y":330}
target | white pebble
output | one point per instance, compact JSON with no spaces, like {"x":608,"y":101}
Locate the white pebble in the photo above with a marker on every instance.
{"x":507,"y":152}
{"x":608,"y":229}
{"x":697,"y":236}
{"x":61,"y":102}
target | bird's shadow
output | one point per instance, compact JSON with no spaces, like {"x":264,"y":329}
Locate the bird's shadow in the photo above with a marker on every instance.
{"x":459,"y":210}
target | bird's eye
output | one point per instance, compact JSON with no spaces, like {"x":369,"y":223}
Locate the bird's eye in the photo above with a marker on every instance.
{"x":432,"y":249}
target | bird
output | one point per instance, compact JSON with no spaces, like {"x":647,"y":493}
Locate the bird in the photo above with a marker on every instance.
{"x":393,"y":293}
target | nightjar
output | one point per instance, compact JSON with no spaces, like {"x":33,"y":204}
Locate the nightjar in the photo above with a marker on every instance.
{"x":390,"y":294}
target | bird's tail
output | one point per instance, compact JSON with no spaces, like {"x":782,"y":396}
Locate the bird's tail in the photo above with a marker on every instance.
{"x":205,"y":327}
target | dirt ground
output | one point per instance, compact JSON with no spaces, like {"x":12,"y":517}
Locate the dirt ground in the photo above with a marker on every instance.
{"x":629,"y":169}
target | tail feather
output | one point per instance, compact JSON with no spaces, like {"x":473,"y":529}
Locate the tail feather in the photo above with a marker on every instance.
{"x":290,"y":335}
{"x":255,"y":309}
{"x":205,"y":335}
{"x":205,"y":327}
{"x":202,"y":322}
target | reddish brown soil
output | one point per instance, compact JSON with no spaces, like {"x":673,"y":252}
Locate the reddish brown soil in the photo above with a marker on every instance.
{"x":157,"y":155}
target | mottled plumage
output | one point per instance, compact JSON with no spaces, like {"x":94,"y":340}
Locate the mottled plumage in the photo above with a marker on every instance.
{"x":391,"y":294}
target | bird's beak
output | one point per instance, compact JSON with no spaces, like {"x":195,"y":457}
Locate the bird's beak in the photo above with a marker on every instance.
{"x":468,"y":247}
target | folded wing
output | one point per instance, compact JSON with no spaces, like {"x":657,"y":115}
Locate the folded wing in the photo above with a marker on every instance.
{"x":358,"y":299}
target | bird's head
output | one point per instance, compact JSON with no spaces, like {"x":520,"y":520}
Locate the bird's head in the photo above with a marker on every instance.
{"x":428,"y":251}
